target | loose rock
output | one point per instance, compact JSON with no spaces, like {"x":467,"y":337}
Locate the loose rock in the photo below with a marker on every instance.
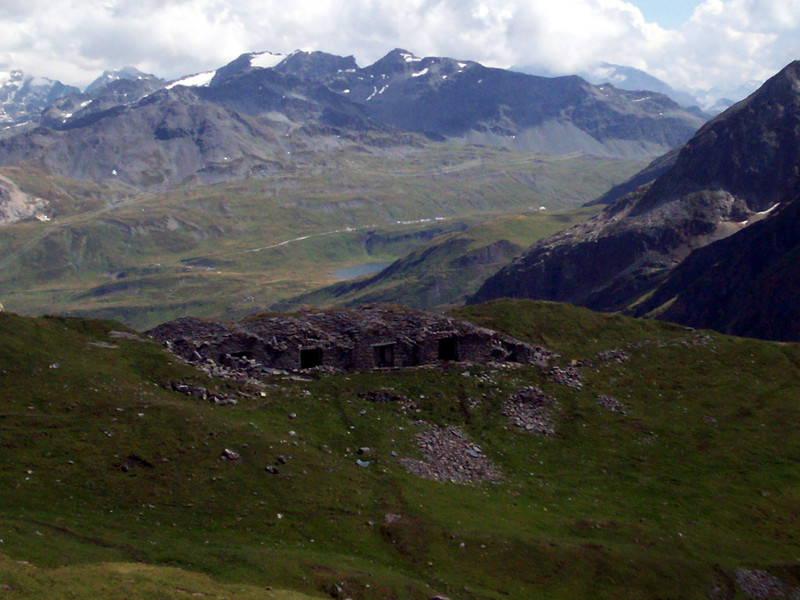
{"x":228,"y":454}
{"x":202,"y":393}
{"x":569,"y":377}
{"x":450,"y":456}
{"x":390,"y":518}
{"x":761,"y":584}
{"x":530,"y":409}
{"x":610,"y":403}
{"x":618,"y":356}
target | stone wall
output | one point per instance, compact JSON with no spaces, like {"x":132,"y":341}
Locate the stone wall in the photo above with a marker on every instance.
{"x":355,"y":339}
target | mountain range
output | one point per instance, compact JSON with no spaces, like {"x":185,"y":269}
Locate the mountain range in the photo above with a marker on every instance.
{"x":703,"y":102}
{"x":665,"y":244}
{"x":242,"y":118}
{"x":710,"y":241}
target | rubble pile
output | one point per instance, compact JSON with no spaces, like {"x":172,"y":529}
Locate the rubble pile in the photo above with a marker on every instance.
{"x":569,"y":377}
{"x":618,"y":356}
{"x":610,"y":403}
{"x":530,"y":410}
{"x":202,"y":393}
{"x":761,"y":584}
{"x":450,"y":456}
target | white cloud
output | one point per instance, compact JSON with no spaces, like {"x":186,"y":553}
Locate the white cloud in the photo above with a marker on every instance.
{"x":725,"y":43}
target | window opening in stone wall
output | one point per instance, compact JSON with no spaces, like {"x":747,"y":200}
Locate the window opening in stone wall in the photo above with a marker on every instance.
{"x":384,"y":355}
{"x":448,"y":349}
{"x":310,"y":358}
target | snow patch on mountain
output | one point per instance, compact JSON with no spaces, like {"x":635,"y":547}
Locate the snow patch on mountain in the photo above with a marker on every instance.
{"x":770,"y":209}
{"x":265,"y":60}
{"x":198,"y":80}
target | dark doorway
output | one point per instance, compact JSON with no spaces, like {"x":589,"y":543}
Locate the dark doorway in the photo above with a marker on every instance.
{"x":448,"y":349}
{"x":384,"y":355}
{"x":310,"y":358}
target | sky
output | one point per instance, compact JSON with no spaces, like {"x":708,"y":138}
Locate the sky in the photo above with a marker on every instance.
{"x":693,"y":45}
{"x":669,"y":14}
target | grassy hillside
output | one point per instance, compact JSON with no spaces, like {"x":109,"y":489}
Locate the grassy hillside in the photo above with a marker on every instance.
{"x":239,"y":247}
{"x":116,"y":486}
{"x":450,"y":267}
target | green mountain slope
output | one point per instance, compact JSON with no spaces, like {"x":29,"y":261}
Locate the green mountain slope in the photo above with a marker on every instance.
{"x":236,"y":248}
{"x":449,"y":268}
{"x":689,"y":491}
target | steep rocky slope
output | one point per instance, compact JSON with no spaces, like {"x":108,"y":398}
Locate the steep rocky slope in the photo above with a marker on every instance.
{"x":162,"y":139}
{"x":736,"y":171}
{"x":747,"y":284}
{"x":111,"y":90}
{"x":170,"y":135}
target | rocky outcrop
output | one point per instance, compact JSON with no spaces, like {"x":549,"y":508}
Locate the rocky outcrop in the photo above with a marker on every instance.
{"x":17,"y":206}
{"x":747,"y":284}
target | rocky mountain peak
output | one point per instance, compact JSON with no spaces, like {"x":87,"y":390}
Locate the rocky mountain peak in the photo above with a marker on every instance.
{"x":250,"y":61}
{"x":752,"y":150}
{"x":316,"y":65}
{"x":396,"y":61}
{"x":123,"y":74}
{"x":787,"y":81}
{"x":23,"y":97}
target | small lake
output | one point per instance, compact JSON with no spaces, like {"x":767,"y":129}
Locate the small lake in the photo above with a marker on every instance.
{"x":359,"y":270}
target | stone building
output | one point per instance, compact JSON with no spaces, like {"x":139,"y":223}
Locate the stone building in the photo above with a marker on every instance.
{"x":372,"y":337}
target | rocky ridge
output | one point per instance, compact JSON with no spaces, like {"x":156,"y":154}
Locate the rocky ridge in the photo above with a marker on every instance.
{"x":741,"y":168}
{"x":466,"y":101}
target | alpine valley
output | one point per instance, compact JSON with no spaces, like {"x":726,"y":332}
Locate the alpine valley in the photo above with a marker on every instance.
{"x":226,"y":192}
{"x":297,"y":329}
